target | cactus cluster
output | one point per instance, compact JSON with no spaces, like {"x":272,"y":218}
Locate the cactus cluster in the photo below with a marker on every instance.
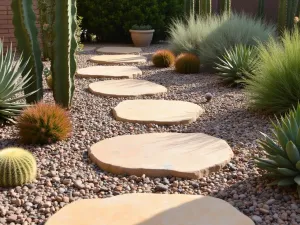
{"x":163,"y":58}
{"x":205,"y":7}
{"x":282,"y":161}
{"x":225,"y":6}
{"x":288,"y":10}
{"x":44,"y":124}
{"x":187,"y":63}
{"x":17,"y":167}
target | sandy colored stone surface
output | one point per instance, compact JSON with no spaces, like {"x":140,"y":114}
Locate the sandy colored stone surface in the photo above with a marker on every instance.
{"x":109,"y":72}
{"x":164,"y":112}
{"x":191,"y":155}
{"x":118,"y":59}
{"x":119,"y":50}
{"x":150,"y":209}
{"x":126,"y":88}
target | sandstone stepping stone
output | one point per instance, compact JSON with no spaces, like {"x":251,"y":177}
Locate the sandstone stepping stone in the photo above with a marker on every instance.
{"x":162,"y":112}
{"x":119,"y":50}
{"x":150,"y":209}
{"x":125,"y":88}
{"x":186,"y":155}
{"x":109,"y":72}
{"x":118,"y":59}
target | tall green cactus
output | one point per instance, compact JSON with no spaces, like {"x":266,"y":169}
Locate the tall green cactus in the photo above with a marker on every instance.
{"x":261,"y":8}
{"x":205,"y":7}
{"x":225,"y":6}
{"x":189,"y":7}
{"x":286,"y":14}
{"x":26,"y":34}
{"x":63,"y":64}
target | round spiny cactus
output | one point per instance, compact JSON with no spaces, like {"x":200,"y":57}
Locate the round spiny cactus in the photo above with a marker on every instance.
{"x":17,"y":167}
{"x":44,"y":124}
{"x":163,"y":58}
{"x":187,"y":63}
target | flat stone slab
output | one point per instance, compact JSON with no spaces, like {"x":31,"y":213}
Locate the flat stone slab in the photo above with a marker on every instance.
{"x":126,"y":88}
{"x":118,"y":59}
{"x":109,"y":72}
{"x":150,"y":209}
{"x":186,"y":155}
{"x":162,"y":112}
{"x":119,"y":50}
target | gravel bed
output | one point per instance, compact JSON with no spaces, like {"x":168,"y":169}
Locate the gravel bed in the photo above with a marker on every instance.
{"x":66,"y":173}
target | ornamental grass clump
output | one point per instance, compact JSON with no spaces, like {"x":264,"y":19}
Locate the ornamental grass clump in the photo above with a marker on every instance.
{"x":237,"y":65}
{"x":209,"y":37}
{"x":275,"y":86}
{"x":44,"y":124}
{"x":163,"y":58}
{"x":17,"y":167}
{"x":282,"y":160}
{"x":187,"y":63}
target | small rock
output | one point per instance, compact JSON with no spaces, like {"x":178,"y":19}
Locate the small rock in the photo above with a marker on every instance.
{"x":208,"y":96}
{"x":79,"y":184}
{"x":38,"y":200}
{"x":12,"y":218}
{"x":256,"y":219}
{"x":161,"y":187}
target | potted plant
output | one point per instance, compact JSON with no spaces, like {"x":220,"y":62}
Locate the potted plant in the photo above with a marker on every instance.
{"x":141,"y":35}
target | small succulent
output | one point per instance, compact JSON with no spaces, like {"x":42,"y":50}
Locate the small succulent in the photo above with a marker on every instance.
{"x":12,"y":83}
{"x":187,"y":63}
{"x":282,"y":161}
{"x":44,"y":124}
{"x":17,"y":167}
{"x":141,"y":27}
{"x":237,"y":64}
{"x":48,"y":76}
{"x":163,"y":58}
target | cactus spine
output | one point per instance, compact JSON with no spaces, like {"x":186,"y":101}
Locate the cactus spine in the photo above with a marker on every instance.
{"x":205,"y":7}
{"x":225,"y":6}
{"x":17,"y":167}
{"x":63,"y":64}
{"x":261,"y":8}
{"x":286,"y":14}
{"x":27,"y":37}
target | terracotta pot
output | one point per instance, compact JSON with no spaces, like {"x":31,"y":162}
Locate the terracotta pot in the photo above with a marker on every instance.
{"x":141,"y":38}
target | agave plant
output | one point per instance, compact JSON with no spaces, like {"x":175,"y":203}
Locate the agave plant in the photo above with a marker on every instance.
{"x":282,"y":160}
{"x":12,"y":84}
{"x":237,"y":64}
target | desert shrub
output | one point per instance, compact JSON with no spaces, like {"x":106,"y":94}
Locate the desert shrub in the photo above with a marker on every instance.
{"x":187,"y":63}
{"x":163,"y":58}
{"x":44,"y":124}
{"x":209,"y":37}
{"x":12,"y":84}
{"x":111,"y":20}
{"x":237,"y":65}
{"x":275,"y":86}
{"x":17,"y":167}
{"x":282,"y":160}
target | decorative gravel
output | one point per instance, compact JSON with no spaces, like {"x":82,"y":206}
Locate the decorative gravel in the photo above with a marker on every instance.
{"x":66,"y":173}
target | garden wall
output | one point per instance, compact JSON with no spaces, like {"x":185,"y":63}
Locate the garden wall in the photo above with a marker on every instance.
{"x":6,"y":26}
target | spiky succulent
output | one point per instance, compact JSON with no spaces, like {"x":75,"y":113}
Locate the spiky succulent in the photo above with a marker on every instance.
{"x":187,"y":63}
{"x":17,"y":167}
{"x":12,"y":84}
{"x":282,"y":160}
{"x":44,"y":124}
{"x":237,"y":64}
{"x":163,"y":58}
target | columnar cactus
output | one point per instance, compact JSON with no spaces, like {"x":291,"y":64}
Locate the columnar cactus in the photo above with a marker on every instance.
{"x":261,"y":8}
{"x":63,"y":64}
{"x":286,"y":14}
{"x":225,"y":6}
{"x":205,"y":7}
{"x":27,"y":37}
{"x":188,"y":4}
{"x":17,"y":167}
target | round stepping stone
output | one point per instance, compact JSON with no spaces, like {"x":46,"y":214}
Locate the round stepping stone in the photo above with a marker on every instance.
{"x":162,"y":112}
{"x":118,"y":59}
{"x":119,"y":50}
{"x":150,"y":209}
{"x":126,"y":88}
{"x":186,"y":155}
{"x":109,"y":72}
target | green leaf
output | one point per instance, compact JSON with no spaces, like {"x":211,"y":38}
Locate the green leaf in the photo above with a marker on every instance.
{"x":298,"y":165}
{"x":288,"y":172}
{"x":286,"y":182}
{"x":282,"y":162}
{"x":292,"y":152}
{"x":297,"y":179}
{"x":282,"y":138}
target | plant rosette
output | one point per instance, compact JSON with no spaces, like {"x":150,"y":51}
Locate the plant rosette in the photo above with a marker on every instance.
{"x":141,"y":35}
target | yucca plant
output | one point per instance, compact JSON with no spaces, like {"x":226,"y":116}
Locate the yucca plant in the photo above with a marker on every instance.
{"x":282,"y":161}
{"x":12,"y":84}
{"x":237,"y":64}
